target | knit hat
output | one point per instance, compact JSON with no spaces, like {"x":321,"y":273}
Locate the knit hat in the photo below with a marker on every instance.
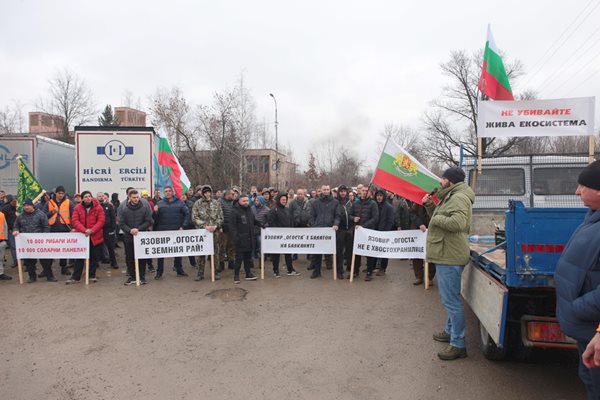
{"x":86,"y":192}
{"x":265,"y":190}
{"x":28,"y":202}
{"x":144,"y":193}
{"x":206,"y":188}
{"x":454,"y":175}
{"x":590,"y":176}
{"x":59,"y":189}
{"x":9,"y":198}
{"x":343,"y":187}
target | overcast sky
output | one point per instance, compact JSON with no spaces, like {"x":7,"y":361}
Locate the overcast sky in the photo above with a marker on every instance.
{"x":340,"y":69}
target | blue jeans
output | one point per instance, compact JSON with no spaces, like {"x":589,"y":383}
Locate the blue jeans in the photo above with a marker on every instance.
{"x":448,"y":278}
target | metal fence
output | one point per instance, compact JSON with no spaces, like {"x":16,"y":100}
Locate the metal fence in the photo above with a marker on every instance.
{"x":548,"y":180}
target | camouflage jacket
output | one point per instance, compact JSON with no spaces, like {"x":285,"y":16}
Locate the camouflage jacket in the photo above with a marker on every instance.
{"x":207,"y":213}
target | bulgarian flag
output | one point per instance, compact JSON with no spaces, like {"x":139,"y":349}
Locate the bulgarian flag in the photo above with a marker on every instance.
{"x":170,"y":166}
{"x":494,"y":81}
{"x":401,"y":174}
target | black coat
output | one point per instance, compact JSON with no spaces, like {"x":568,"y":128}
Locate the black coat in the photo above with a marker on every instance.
{"x":242,"y":228}
{"x":227,"y":206}
{"x":324,"y":212}
{"x":386,"y":216}
{"x":110,"y":217}
{"x":368,"y":212}
{"x":280,"y":217}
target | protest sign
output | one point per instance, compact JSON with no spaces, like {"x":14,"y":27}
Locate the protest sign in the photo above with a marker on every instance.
{"x":297,"y":241}
{"x":388,"y":244}
{"x":559,"y":117}
{"x":167,"y":244}
{"x":71,"y":245}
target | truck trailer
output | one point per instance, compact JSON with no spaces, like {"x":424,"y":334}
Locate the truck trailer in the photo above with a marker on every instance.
{"x":51,"y":161}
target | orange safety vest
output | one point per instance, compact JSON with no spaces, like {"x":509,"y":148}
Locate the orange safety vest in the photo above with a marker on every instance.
{"x":64,"y":210}
{"x":2,"y":226}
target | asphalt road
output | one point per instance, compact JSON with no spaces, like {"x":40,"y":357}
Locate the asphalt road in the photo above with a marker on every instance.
{"x":288,"y":338}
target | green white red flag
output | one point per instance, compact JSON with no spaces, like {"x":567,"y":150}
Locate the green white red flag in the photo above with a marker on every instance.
{"x":493,"y":81}
{"x":401,"y":173}
{"x":170,"y":167}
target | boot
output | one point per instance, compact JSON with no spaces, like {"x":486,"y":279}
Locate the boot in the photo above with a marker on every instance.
{"x":452,"y":353}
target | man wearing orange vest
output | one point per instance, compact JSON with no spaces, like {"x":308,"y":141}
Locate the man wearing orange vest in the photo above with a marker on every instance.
{"x":3,"y":243}
{"x":59,"y":211}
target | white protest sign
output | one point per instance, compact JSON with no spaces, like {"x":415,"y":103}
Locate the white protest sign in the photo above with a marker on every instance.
{"x":390,"y":244}
{"x":297,"y":241}
{"x":52,"y":245}
{"x":560,"y":117}
{"x":166,"y":244}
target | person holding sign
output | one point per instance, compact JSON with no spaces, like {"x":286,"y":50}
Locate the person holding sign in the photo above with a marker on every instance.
{"x":88,"y":218}
{"x":366,"y":214}
{"x":448,"y":248}
{"x":59,"y":211}
{"x":281,"y":217}
{"x":345,"y":233}
{"x":241,"y":228}
{"x":420,"y":220}
{"x":171,"y":214}
{"x":385,"y":224}
{"x":33,"y":220}
{"x":134,"y":217}
{"x":324,"y":213}
{"x":207,"y":214}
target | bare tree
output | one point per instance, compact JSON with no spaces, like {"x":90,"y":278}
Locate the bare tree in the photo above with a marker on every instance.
{"x":453,"y":120}
{"x":71,"y":99}
{"x":11,"y":119}
{"x":407,"y":137}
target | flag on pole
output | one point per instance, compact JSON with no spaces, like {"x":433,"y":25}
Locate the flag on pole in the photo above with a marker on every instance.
{"x":27,"y":186}
{"x":493,"y":81}
{"x":174,"y":174}
{"x":401,"y":174}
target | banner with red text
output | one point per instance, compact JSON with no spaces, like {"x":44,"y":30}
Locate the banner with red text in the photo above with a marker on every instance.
{"x":559,"y":117}
{"x":297,"y":241}
{"x":165,"y":244}
{"x":390,"y":244}
{"x":70,"y":245}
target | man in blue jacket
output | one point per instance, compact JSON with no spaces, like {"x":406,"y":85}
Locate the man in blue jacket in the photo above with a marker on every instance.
{"x":171,"y":215}
{"x":577,"y":277}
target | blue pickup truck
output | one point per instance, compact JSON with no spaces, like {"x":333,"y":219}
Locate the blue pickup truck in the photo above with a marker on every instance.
{"x":510,"y":286}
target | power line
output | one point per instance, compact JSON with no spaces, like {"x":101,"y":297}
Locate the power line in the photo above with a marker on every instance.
{"x":562,"y":34}
{"x":584,"y":81}
{"x":576,"y":73}
{"x":570,"y":57}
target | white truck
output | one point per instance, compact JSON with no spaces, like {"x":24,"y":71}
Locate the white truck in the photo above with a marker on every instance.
{"x":112,"y":159}
{"x":52,"y":162}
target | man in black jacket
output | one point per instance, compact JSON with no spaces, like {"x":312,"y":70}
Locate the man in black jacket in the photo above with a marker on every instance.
{"x":226,"y":245}
{"x":366,"y":214}
{"x":345,"y":233}
{"x":134,"y":217}
{"x":324,"y":213}
{"x":108,"y":231}
{"x":10,"y":212}
{"x":385,"y":224}
{"x":281,"y":217}
{"x":241,"y":229}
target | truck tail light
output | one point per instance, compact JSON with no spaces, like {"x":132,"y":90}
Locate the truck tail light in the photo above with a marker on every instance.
{"x":544,"y":332}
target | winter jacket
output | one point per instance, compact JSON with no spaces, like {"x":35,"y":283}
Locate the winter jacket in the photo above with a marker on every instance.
{"x":324,"y":212}
{"x":280,"y":216}
{"x":189,"y":203}
{"x":346,"y":216}
{"x":172,"y":215}
{"x":91,"y":217}
{"x":227,"y":206}
{"x":367,"y":211}
{"x":418,"y":216}
{"x":301,"y":212}
{"x":35,"y":222}
{"x":577,"y":280}
{"x":110,"y":217}
{"x":447,"y":237}
{"x":137,"y":216}
{"x":401,"y":214}
{"x":10,"y":213}
{"x":207,"y":213}
{"x":260,"y":213}
{"x":241,"y":228}
{"x":386,"y":216}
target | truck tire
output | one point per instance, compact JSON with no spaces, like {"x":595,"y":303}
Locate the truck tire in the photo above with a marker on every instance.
{"x":488,"y":347}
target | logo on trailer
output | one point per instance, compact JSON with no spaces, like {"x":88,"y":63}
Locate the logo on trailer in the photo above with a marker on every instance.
{"x":404,"y":165}
{"x":6,"y":157}
{"x":114,"y":150}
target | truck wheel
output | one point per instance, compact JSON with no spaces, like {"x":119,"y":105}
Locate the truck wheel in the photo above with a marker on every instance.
{"x":488,"y":347}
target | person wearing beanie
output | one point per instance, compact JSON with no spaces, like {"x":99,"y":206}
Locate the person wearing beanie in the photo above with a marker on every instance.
{"x":576,"y":279}
{"x":281,"y":217}
{"x":208,"y":214}
{"x":242,"y":231}
{"x":33,"y":220}
{"x":59,"y":212}
{"x":448,"y":248}
{"x":88,"y":218}
{"x":260,"y":211}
